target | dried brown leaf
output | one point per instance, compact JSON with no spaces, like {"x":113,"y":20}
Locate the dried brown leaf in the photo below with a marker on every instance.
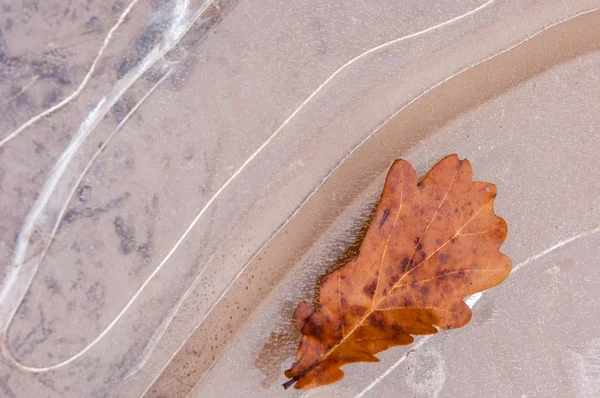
{"x":431,"y":243}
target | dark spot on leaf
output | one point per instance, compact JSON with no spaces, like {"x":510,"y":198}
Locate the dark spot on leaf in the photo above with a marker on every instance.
{"x":313,"y":328}
{"x":444,"y":258}
{"x":425,"y":290}
{"x":356,"y":310}
{"x":386,"y":214}
{"x":370,"y":289}
{"x":377,"y":319}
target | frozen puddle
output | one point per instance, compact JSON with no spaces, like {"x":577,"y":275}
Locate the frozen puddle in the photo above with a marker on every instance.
{"x":201,"y":164}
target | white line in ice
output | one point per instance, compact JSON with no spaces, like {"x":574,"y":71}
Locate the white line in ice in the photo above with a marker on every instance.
{"x":558,"y":245}
{"x":157,"y":335}
{"x":3,"y":335}
{"x":22,"y":271}
{"x":79,"y":89}
{"x":389,"y":370}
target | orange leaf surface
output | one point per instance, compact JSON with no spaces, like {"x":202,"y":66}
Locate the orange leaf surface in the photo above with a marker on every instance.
{"x":431,"y":243}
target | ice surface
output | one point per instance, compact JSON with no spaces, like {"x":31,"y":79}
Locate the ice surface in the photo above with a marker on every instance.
{"x":176,"y":175}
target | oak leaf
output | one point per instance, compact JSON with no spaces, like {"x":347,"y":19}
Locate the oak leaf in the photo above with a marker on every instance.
{"x":431,"y":243}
